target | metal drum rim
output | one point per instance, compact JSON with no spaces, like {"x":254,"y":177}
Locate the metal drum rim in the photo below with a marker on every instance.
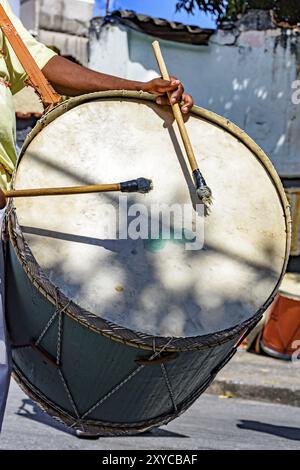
{"x":102,"y":326}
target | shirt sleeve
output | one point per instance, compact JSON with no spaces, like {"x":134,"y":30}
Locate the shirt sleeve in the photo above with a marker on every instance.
{"x":39,"y":52}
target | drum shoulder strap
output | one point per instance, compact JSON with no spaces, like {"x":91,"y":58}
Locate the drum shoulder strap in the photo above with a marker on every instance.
{"x":36,"y":78}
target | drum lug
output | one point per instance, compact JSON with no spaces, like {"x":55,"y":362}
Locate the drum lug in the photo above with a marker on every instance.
{"x":161,"y":359}
{"x":46,"y":355}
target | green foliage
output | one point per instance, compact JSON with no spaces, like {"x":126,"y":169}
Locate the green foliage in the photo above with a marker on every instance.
{"x":219,"y":8}
{"x":215,"y":7}
{"x":236,"y":7}
{"x":284,"y":10}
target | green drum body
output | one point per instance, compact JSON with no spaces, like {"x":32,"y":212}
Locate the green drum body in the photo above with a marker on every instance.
{"x":114,"y":330}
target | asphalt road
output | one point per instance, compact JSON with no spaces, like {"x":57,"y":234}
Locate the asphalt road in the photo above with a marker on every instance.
{"x":211,"y":423}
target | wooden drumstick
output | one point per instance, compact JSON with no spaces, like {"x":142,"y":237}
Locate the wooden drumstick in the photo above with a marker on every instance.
{"x":203,"y":191}
{"x":139,"y":185}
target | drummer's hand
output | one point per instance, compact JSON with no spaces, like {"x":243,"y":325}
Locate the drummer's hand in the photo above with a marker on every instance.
{"x":2,"y":199}
{"x":161,"y":87}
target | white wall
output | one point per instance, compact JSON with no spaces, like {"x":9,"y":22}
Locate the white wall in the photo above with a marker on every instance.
{"x":56,"y":11}
{"x":60,"y":23}
{"x":68,"y":44}
{"x":72,"y":9}
{"x":246,"y":76}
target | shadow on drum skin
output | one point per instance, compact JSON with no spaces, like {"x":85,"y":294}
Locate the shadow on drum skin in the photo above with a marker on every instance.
{"x":168,"y":123}
{"x":266,"y":271}
{"x":40,"y":416}
{"x":170,"y":300}
{"x":70,"y":237}
{"x":83,"y":180}
{"x":184,"y":167}
{"x":285,"y":432}
{"x":116,"y":246}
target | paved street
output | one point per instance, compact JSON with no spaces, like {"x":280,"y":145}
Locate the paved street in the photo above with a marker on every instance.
{"x":212,"y":423}
{"x":257,"y":377}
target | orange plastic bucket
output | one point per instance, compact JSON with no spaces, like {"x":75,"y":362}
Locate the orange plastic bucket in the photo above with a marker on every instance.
{"x":281,"y":334}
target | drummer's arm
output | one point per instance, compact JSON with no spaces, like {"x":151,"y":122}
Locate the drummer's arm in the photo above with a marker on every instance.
{"x":71,"y":79}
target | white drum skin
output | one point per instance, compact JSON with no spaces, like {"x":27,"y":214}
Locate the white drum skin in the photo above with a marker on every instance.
{"x":155,"y":287}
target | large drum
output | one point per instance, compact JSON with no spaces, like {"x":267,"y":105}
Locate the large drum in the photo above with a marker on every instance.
{"x":114,"y":333}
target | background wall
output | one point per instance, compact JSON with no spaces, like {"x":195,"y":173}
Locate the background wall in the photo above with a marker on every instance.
{"x":60,"y":23}
{"x":245,"y":74}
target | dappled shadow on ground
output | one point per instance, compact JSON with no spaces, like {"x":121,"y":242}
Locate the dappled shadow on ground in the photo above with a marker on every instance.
{"x":30,"y":410}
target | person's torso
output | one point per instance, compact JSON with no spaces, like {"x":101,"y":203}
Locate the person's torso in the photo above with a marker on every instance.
{"x":8,"y":156}
{"x":7,"y":120}
{"x":3,"y":68}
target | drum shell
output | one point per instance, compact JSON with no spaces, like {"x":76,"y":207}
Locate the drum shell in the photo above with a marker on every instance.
{"x":94,"y":365}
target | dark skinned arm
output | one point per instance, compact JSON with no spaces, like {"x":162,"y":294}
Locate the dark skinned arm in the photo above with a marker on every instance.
{"x":72,"y":79}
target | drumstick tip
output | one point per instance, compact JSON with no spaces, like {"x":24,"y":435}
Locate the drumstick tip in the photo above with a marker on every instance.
{"x":203,"y":191}
{"x":205,"y":195}
{"x":139,"y":185}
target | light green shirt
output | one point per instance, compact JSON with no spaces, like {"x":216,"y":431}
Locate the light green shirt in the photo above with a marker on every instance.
{"x":12,"y":80}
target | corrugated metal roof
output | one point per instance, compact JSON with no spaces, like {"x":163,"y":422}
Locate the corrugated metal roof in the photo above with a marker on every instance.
{"x":158,"y":27}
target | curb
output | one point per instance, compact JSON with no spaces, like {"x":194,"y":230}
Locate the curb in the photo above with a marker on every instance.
{"x":265,"y":393}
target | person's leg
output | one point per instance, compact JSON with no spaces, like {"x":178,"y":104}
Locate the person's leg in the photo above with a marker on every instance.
{"x":5,"y":363}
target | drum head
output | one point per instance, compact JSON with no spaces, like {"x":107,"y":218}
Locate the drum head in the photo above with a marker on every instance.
{"x":154,"y":286}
